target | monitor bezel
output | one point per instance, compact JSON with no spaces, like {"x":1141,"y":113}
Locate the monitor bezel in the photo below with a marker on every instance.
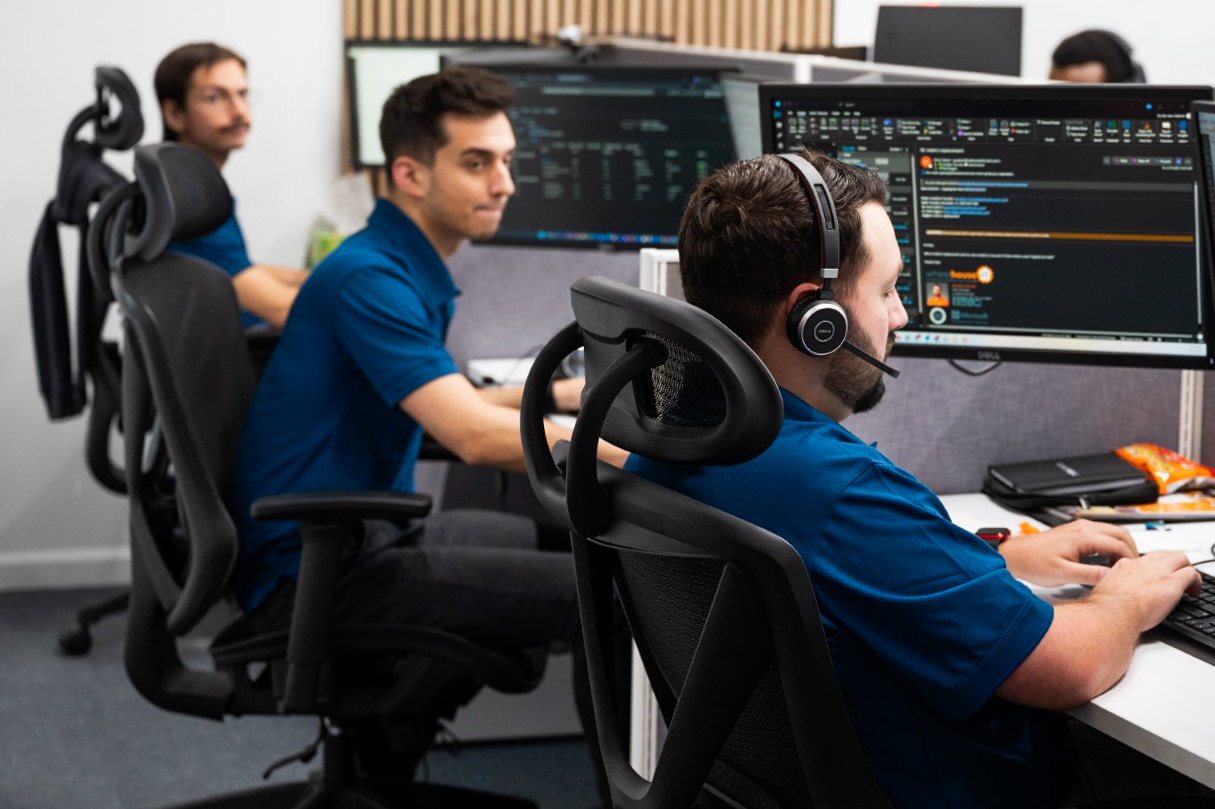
{"x":893,"y":18}
{"x":1054,"y":93}
{"x":506,"y":68}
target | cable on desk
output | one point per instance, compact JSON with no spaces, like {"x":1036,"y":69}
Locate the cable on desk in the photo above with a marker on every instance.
{"x":993,"y":366}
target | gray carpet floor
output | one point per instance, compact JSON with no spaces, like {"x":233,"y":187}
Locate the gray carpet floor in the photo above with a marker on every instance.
{"x":74,"y":733}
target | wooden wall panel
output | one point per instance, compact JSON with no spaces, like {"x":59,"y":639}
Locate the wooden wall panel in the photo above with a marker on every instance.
{"x":766,"y":25}
{"x":752,"y":24}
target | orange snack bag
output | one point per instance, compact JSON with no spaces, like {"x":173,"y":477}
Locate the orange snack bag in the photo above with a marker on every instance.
{"x":1172,"y":472}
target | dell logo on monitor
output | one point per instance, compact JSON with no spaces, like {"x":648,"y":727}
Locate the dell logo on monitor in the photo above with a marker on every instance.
{"x":993,"y":356}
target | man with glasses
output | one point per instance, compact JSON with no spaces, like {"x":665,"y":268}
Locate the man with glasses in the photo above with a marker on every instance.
{"x":204,"y":101}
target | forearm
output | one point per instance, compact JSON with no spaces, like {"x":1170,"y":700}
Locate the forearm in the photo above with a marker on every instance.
{"x":260,"y":293}
{"x":285,"y":275}
{"x":1085,"y":652}
{"x":567,"y":394}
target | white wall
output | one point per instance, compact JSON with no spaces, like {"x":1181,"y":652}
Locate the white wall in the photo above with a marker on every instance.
{"x":56,"y":525}
{"x":1171,"y":38}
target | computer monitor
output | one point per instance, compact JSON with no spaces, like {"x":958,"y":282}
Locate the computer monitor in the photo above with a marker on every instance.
{"x":986,"y":39}
{"x":742,"y":107}
{"x":827,"y":70}
{"x":374,"y":70}
{"x":607,"y":156}
{"x":1061,"y":223}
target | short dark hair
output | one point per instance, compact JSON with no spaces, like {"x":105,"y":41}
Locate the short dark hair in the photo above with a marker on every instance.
{"x":1111,"y":50}
{"x":748,"y":236}
{"x":174,"y":72}
{"x":412,"y":120}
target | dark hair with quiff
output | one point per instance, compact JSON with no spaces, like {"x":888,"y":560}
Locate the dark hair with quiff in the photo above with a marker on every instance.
{"x":173,"y":74}
{"x":412,"y":120}
{"x":1096,"y":46}
{"x":748,"y":236}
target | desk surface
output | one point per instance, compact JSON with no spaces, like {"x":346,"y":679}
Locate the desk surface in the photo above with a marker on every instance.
{"x":1159,"y":705}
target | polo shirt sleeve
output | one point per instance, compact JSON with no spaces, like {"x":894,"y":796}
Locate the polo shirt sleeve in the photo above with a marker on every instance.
{"x":385,"y":327}
{"x":928,"y":598}
{"x":224,"y":247}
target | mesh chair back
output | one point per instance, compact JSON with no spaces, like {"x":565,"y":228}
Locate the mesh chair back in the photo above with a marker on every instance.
{"x":186,"y":346}
{"x":722,"y":611}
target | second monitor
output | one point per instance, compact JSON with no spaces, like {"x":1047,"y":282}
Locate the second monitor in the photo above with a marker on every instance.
{"x":607,"y":156}
{"x":1059,"y":223}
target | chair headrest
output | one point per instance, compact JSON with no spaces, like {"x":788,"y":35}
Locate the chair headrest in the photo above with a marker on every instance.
{"x":184,"y":197}
{"x":708,"y":399}
{"x":664,"y":379}
{"x":122,"y":131}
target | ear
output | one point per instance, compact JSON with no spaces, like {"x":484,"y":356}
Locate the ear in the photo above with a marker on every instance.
{"x":410,"y":176}
{"x":174,"y":116}
{"x":798,"y":292}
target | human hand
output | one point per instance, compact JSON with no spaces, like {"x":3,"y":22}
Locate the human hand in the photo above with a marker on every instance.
{"x":1052,"y":558}
{"x":1149,"y":586}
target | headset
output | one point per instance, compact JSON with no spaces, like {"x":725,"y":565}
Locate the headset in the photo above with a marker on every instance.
{"x":1135,"y":73}
{"x":817,"y":324}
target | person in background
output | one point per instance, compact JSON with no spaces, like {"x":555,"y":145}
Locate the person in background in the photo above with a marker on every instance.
{"x":1095,"y":57}
{"x":203,"y":94}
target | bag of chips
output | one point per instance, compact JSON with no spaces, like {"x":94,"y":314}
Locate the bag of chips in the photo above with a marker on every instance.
{"x":1171,"y":471}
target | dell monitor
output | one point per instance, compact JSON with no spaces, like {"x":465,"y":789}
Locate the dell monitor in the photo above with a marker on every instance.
{"x":607,"y":156}
{"x":985,"y":39}
{"x":1057,"y":223}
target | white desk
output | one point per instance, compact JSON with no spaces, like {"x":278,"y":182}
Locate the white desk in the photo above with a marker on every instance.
{"x":1159,"y":707}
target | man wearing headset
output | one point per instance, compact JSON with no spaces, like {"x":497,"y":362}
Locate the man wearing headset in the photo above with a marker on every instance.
{"x":1096,"y":57}
{"x":953,"y":671}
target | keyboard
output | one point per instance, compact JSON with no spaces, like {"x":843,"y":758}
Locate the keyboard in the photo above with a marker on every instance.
{"x":1194,"y":617}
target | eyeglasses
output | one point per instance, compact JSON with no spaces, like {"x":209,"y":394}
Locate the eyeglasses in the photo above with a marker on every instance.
{"x":217,"y":97}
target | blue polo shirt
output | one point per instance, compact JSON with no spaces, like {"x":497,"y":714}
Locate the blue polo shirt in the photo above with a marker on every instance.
{"x":367,"y":329}
{"x":225,"y":248}
{"x":923,"y":620}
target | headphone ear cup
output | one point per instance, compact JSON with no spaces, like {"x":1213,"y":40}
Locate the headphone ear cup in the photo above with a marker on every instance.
{"x":817,"y":327}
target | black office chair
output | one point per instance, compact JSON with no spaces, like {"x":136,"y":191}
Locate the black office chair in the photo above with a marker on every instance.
{"x":723,"y":612}
{"x":68,"y":383}
{"x":187,"y":372}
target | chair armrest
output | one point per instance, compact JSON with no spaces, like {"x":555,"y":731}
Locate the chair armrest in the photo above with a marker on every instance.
{"x":325,"y":524}
{"x":338,"y":507}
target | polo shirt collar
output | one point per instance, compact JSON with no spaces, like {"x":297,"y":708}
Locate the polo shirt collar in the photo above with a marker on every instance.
{"x":798,"y":410}
{"x":407,"y":240}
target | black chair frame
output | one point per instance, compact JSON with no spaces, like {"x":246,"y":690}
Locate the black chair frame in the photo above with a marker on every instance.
{"x":747,"y":664}
{"x":187,"y":381}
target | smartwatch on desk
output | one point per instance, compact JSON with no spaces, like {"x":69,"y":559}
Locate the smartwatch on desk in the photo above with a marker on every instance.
{"x":993,"y":536}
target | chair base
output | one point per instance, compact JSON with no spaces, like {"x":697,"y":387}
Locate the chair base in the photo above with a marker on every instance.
{"x":313,"y":795}
{"x":78,"y":641}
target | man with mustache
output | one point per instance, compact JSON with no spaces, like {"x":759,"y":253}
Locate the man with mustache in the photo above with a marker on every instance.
{"x":953,"y":671}
{"x":362,"y":370}
{"x":204,"y":101}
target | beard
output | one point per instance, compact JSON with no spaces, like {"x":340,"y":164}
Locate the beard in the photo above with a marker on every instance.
{"x":855,"y":382}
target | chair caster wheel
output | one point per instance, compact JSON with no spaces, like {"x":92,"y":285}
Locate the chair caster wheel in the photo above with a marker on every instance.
{"x":76,"y":643}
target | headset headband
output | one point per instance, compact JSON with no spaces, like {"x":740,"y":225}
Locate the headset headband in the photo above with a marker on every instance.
{"x":824,"y":214}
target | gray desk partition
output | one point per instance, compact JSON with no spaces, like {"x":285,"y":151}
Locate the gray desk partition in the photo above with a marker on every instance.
{"x":945,"y":427}
{"x":941,"y":425}
{"x":1208,"y":406}
{"x":515,"y":298}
